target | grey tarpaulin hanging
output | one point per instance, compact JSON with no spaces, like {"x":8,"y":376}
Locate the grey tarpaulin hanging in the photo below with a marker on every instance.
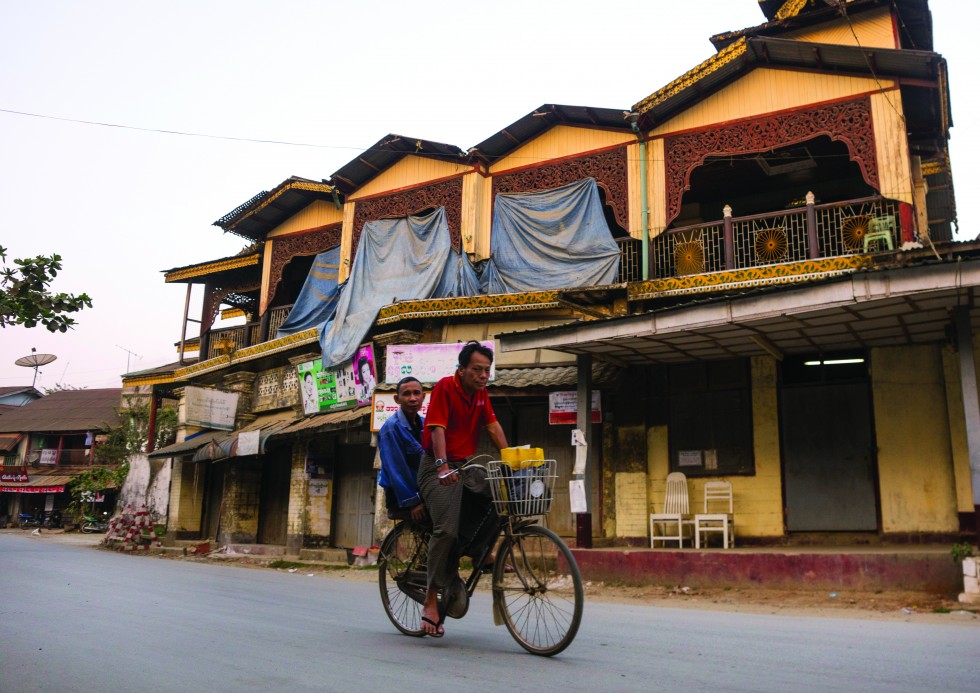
{"x":552,"y":239}
{"x":317,"y":299}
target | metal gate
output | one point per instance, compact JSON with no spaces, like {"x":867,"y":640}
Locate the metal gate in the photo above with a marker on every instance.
{"x":828,"y":458}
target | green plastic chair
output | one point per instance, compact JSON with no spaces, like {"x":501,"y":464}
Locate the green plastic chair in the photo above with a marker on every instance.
{"x":880,"y":229}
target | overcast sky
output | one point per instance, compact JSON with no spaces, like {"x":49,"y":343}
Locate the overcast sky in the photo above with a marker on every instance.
{"x":121,"y":204}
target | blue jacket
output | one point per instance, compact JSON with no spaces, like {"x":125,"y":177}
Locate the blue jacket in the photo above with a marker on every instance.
{"x":400,"y":453}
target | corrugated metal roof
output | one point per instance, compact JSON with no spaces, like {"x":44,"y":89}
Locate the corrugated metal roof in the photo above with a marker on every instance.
{"x":539,"y":377}
{"x":8,"y":441}
{"x":185,"y":447}
{"x":325,"y":422}
{"x":65,"y":411}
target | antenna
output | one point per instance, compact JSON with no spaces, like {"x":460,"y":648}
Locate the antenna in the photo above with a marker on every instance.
{"x":35,"y":360}
{"x":128,"y":354}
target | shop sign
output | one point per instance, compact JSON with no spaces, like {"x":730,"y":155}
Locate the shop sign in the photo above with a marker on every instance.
{"x":427,"y":362}
{"x":32,"y":489}
{"x":210,"y":408}
{"x":340,"y":387}
{"x":14,"y":474}
{"x":563,"y":407}
{"x":49,"y":456}
{"x":384,"y":408}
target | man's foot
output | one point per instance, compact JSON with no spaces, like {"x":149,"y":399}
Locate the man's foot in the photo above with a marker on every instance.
{"x":432,"y":628}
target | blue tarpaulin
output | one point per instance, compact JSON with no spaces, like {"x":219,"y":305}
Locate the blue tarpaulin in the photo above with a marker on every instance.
{"x":553,"y":239}
{"x":397,"y":259}
{"x":459,"y":278}
{"x":317,"y":299}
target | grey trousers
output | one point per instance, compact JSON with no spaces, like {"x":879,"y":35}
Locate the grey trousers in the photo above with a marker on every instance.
{"x":460,"y":511}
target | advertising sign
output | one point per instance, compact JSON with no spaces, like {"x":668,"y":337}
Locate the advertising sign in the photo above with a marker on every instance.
{"x":385,"y":407}
{"x":210,"y":408}
{"x":563,"y":407}
{"x":340,"y":387}
{"x":427,"y":362}
{"x":14,"y":474}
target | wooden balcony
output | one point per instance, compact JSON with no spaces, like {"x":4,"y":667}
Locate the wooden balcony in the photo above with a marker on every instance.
{"x":793,"y":235}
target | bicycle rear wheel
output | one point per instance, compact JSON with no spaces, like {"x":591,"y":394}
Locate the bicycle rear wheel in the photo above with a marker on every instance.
{"x":402,"y":577}
{"x":537,"y":589}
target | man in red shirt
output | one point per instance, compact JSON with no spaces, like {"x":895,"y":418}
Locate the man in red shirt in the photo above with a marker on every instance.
{"x":459,"y":408}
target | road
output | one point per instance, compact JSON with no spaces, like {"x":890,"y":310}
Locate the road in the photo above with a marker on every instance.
{"x":76,"y":618}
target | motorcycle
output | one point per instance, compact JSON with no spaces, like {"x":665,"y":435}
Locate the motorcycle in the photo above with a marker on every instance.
{"x":27,"y":520}
{"x":52,"y":520}
{"x":95,"y":525}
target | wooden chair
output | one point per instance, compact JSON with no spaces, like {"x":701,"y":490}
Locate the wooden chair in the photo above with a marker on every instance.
{"x":717,"y":496}
{"x":676,"y":515}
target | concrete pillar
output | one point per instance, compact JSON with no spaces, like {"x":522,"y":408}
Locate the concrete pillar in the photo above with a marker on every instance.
{"x":583,"y":521}
{"x":244,"y":384}
{"x":296,"y":515}
{"x":971,"y":401}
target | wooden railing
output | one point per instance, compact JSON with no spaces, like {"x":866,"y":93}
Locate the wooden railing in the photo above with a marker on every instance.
{"x":277,"y":316}
{"x":792,"y":235}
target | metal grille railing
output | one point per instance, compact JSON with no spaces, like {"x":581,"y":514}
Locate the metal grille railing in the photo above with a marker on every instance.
{"x":771,"y":238}
{"x":277,"y":316}
{"x":219,"y":338}
{"x":630,"y":260}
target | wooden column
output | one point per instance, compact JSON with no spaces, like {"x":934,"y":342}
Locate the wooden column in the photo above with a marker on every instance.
{"x":729,"y":238}
{"x":811,"y":227}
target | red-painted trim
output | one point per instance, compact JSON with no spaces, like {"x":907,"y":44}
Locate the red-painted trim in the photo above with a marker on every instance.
{"x":551,"y":162}
{"x":895,"y":33}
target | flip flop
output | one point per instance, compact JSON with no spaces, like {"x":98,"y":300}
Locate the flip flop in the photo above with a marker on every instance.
{"x":435,"y":625}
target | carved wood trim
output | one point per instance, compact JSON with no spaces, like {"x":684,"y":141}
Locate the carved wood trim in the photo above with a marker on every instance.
{"x":214,"y":295}
{"x":846,"y":121}
{"x":447,"y":193}
{"x":285,"y":248}
{"x":609,"y":168}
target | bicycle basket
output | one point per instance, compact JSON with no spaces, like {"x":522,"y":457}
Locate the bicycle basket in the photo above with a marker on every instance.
{"x":525,"y":491}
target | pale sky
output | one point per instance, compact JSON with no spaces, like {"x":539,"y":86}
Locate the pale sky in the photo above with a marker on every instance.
{"x":121,"y":205}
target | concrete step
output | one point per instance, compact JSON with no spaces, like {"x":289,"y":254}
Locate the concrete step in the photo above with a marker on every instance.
{"x":258,"y":550}
{"x":324,"y":555}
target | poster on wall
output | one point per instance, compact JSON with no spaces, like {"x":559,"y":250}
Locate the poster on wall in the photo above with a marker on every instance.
{"x":385,"y":407}
{"x":427,"y":362}
{"x":340,"y":387}
{"x":563,"y":407}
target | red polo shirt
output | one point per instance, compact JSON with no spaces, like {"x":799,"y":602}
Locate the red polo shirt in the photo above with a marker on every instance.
{"x":462,"y":416}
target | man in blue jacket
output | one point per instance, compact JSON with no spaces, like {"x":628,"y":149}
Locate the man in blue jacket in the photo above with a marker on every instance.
{"x":400,"y":446}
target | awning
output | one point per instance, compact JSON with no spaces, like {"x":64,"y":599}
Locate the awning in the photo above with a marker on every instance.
{"x":227,"y":444}
{"x":322,"y":423}
{"x":48,"y":483}
{"x":186,"y":447}
{"x":8,"y":441}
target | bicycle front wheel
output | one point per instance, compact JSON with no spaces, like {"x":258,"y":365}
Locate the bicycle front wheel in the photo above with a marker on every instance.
{"x":402,"y":577}
{"x":537,"y":589}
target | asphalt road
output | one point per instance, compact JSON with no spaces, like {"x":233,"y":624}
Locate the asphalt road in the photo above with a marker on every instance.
{"x":75,"y":618}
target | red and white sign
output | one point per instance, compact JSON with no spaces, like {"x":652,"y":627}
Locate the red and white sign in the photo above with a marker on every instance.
{"x":14,"y":475}
{"x":563,"y":407}
{"x":32,"y":489}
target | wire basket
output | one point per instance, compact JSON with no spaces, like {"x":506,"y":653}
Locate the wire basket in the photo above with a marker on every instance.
{"x":523,"y":492}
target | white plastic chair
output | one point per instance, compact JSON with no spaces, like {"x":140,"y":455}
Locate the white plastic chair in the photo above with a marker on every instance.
{"x":676,"y":515}
{"x":717,"y":496}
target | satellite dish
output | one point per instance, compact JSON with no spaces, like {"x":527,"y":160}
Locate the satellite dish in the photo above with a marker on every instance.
{"x":35,"y":361}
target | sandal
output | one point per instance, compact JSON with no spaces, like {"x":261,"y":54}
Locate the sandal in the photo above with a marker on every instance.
{"x":438,"y":633}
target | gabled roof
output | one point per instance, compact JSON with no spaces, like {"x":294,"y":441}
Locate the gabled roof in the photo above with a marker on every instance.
{"x":270,"y":208}
{"x":386,"y":152}
{"x":248,"y":257}
{"x":542,"y":119}
{"x":65,"y":411}
{"x":748,"y":53}
{"x":19,"y":389}
{"x":915,"y":20}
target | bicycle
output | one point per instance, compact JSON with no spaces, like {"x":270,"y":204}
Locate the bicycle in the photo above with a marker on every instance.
{"x":536,"y":584}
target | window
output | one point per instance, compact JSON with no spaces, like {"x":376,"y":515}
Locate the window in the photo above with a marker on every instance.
{"x":709,"y":418}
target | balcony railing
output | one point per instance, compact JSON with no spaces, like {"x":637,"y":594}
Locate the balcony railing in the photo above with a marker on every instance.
{"x":793,"y":235}
{"x":277,"y":316}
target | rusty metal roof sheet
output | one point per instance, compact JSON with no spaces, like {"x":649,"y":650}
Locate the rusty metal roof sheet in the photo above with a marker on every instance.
{"x":65,"y":411}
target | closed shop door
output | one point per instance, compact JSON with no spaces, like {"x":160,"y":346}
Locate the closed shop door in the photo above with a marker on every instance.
{"x":828,"y":462}
{"x":355,"y":480}
{"x":274,"y":499}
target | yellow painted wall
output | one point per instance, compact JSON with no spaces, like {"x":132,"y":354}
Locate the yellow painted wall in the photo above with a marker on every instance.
{"x":408,"y":171}
{"x":475,"y":231}
{"x":559,"y":141}
{"x":463,"y":332}
{"x":346,"y":236}
{"x":874,"y":29}
{"x":764,"y":91}
{"x":316,"y":214}
{"x":635,"y":207}
{"x":957,"y":428}
{"x":632,"y":515}
{"x":915,"y":465}
{"x":891,"y":142}
{"x":656,"y":186}
{"x":758,"y":499}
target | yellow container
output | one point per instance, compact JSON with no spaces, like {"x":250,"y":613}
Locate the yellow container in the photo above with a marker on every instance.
{"x":531,"y":454}
{"x":511,"y":457}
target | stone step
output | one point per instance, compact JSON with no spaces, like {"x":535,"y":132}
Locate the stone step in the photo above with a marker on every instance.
{"x":324,"y":555}
{"x":263,"y":550}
